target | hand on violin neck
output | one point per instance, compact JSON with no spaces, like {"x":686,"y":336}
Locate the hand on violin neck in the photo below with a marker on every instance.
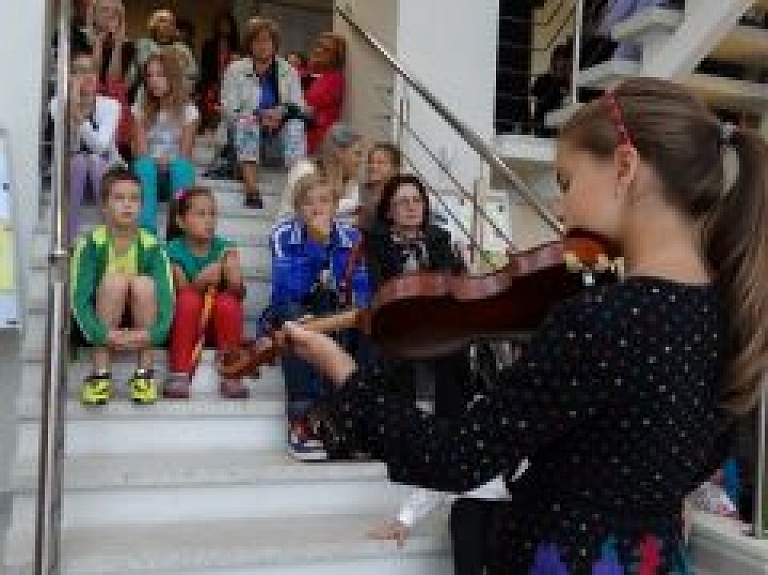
{"x":321,"y":351}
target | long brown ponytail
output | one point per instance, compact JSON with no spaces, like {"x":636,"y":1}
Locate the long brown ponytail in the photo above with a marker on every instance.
{"x":689,"y":149}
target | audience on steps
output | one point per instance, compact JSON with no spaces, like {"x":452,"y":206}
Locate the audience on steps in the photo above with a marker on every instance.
{"x":133,"y":292}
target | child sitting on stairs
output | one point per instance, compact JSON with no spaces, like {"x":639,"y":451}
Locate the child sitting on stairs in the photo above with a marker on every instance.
{"x":310,"y":256}
{"x":121,"y":291}
{"x":209,"y":291}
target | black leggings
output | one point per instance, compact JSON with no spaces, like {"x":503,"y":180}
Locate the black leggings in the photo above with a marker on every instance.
{"x":471,"y":524}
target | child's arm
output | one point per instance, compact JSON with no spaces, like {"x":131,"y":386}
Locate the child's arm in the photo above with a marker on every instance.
{"x":83,"y":285}
{"x":232,"y":271}
{"x":163,"y":279}
{"x":179,"y":277}
{"x":188,"y":132}
{"x":139,"y":139}
{"x":100,"y":137}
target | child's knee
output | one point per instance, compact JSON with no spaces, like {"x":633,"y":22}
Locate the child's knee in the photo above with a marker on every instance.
{"x":143,"y":288}
{"x":227,"y":305}
{"x":115,"y":284}
{"x":78,"y":162}
{"x":189,"y":298}
{"x":144,"y":165}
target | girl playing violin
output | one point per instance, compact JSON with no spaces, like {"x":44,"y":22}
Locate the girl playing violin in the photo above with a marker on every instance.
{"x":619,"y":396}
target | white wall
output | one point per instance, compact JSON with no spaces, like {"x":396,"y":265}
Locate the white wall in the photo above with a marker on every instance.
{"x":21,"y":44}
{"x":451,"y":47}
{"x":369,"y":80}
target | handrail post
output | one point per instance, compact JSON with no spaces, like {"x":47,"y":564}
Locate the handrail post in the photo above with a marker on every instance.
{"x":401,"y":120}
{"x":760,"y":468}
{"x":578,"y":25}
{"x":47,"y":524}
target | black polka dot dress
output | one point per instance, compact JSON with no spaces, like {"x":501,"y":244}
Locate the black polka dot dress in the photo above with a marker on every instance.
{"x":614,"y":402}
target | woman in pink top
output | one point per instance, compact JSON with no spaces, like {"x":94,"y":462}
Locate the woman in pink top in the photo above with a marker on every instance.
{"x":325,"y":94}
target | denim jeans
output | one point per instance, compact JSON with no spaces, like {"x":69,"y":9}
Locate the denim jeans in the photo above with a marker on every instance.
{"x":304,"y":385}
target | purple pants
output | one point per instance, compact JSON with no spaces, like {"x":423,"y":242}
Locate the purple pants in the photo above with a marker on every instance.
{"x":82,"y":169}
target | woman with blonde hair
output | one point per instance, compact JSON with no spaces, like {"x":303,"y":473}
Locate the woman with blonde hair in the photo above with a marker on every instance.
{"x":164,"y":135}
{"x":339,"y":159}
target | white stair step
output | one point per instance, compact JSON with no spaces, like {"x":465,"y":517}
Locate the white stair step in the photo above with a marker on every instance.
{"x":716,"y":90}
{"x":609,"y":73}
{"x":270,"y":185}
{"x":729,"y":92}
{"x":526,"y":152}
{"x":270,"y":379}
{"x":650,"y":21}
{"x":720,"y":546}
{"x":229,"y":467}
{"x":743,"y":44}
{"x":558,"y":117}
{"x":204,"y":422}
{"x":322,"y":545}
{"x":130,"y":490}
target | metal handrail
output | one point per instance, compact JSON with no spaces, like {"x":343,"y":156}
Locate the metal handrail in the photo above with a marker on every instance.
{"x":578,"y":23}
{"x":472,"y":139}
{"x":48,"y":526}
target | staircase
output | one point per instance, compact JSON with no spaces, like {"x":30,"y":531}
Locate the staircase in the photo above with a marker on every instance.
{"x":674,"y":42}
{"x":202,"y":485}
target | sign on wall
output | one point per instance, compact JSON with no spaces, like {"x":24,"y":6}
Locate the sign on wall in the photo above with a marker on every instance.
{"x":9,"y":302}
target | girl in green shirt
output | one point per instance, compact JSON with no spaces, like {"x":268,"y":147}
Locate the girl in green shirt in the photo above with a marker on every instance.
{"x":209,"y":291}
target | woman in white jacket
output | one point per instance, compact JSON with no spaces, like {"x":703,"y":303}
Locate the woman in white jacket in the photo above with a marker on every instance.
{"x":262,"y":101}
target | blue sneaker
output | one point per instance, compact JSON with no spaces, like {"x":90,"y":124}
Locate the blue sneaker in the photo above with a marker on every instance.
{"x":303,"y":444}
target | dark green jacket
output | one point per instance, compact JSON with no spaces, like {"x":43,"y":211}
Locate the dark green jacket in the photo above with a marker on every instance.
{"x":88,"y":268}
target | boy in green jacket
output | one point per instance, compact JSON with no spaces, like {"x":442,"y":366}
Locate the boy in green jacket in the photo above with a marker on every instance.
{"x":121,"y":277}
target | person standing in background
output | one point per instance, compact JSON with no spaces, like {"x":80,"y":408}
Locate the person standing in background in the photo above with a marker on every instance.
{"x":219,"y":51}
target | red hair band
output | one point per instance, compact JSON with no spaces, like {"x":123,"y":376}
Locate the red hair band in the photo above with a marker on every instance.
{"x":614,"y":109}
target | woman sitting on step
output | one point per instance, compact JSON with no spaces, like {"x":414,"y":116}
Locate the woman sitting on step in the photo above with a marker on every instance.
{"x":209,"y":291}
{"x":164,"y":133}
{"x":339,"y":159}
{"x":263,"y":103}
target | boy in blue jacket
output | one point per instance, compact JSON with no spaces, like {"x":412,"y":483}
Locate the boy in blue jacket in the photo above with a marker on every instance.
{"x":310,"y":255}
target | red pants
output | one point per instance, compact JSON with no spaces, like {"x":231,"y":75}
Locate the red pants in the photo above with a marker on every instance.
{"x":225,"y":326}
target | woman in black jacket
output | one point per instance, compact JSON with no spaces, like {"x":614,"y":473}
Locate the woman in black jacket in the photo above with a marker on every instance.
{"x":402,"y":240}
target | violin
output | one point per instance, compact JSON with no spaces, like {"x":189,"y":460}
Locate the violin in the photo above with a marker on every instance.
{"x":252,"y":354}
{"x":428,"y":314}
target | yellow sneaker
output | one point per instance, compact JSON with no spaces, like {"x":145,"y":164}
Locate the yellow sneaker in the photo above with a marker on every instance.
{"x":96,"y":389}
{"x":143,"y":387}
